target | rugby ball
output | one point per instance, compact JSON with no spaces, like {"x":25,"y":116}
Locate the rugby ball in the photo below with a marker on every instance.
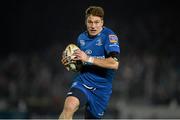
{"x":73,"y":65}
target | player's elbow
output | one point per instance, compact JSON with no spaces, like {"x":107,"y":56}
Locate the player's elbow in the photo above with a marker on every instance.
{"x":116,"y":65}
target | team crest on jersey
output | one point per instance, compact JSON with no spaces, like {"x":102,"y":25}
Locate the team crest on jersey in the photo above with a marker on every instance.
{"x":82,"y":42}
{"x":113,"y":38}
{"x":99,"y":42}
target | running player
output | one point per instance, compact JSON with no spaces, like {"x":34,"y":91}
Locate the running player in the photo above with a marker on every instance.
{"x":99,"y":52}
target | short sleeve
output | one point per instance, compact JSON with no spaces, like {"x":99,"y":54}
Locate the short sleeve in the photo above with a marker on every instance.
{"x":112,"y":43}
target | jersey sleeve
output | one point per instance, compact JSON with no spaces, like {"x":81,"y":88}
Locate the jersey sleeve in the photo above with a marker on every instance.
{"x":112,"y":43}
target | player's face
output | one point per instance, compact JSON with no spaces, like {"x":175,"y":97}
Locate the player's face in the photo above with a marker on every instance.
{"x":94,"y":25}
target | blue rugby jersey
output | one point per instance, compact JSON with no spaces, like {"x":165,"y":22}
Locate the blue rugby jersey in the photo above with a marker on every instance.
{"x":98,"y":46}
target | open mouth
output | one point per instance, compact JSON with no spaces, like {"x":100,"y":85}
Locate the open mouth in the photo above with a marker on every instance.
{"x":93,"y":30}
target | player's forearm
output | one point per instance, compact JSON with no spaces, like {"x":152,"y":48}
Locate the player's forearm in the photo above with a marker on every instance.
{"x":105,"y":63}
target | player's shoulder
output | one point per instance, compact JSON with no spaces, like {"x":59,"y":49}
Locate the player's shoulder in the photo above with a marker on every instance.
{"x":107,"y":31}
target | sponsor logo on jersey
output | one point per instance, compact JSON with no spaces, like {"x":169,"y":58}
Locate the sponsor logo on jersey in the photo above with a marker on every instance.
{"x":113,"y":38}
{"x":88,"y":51}
{"x":113,"y":45}
{"x":82,"y":42}
{"x":101,"y":57}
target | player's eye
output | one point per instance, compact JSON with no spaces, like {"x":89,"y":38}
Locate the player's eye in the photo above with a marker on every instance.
{"x":96,"y":22}
{"x":90,"y":22}
{"x":93,"y":22}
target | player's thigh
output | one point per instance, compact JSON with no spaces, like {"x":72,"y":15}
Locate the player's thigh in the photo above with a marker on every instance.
{"x":71,"y":104}
{"x":80,"y":94}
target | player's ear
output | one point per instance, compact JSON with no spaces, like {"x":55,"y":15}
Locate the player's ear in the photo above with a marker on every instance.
{"x":85,"y":21}
{"x":102,"y":22}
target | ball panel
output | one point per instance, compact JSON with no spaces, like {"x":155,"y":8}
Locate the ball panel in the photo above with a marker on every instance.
{"x":72,"y":65}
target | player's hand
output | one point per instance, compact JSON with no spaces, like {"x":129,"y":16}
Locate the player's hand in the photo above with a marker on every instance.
{"x":80,"y":55}
{"x":65,"y":59}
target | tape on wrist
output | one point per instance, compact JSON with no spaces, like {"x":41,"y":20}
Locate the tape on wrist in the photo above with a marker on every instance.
{"x":90,"y":60}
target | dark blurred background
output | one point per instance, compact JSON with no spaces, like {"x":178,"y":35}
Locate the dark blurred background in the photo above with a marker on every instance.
{"x":33,"y":82}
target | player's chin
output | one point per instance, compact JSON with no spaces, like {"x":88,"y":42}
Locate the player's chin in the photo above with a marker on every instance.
{"x":93,"y":33}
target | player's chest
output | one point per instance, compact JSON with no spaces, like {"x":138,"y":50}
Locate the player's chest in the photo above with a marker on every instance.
{"x":92,"y":47}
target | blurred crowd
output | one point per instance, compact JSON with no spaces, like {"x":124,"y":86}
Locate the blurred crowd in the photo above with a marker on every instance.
{"x":33,"y":82}
{"x":35,"y":85}
{"x":149,"y":78}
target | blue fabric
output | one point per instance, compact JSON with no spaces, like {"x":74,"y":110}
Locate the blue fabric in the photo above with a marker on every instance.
{"x":97,"y":103}
{"x":99,"y":46}
{"x":94,"y":81}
